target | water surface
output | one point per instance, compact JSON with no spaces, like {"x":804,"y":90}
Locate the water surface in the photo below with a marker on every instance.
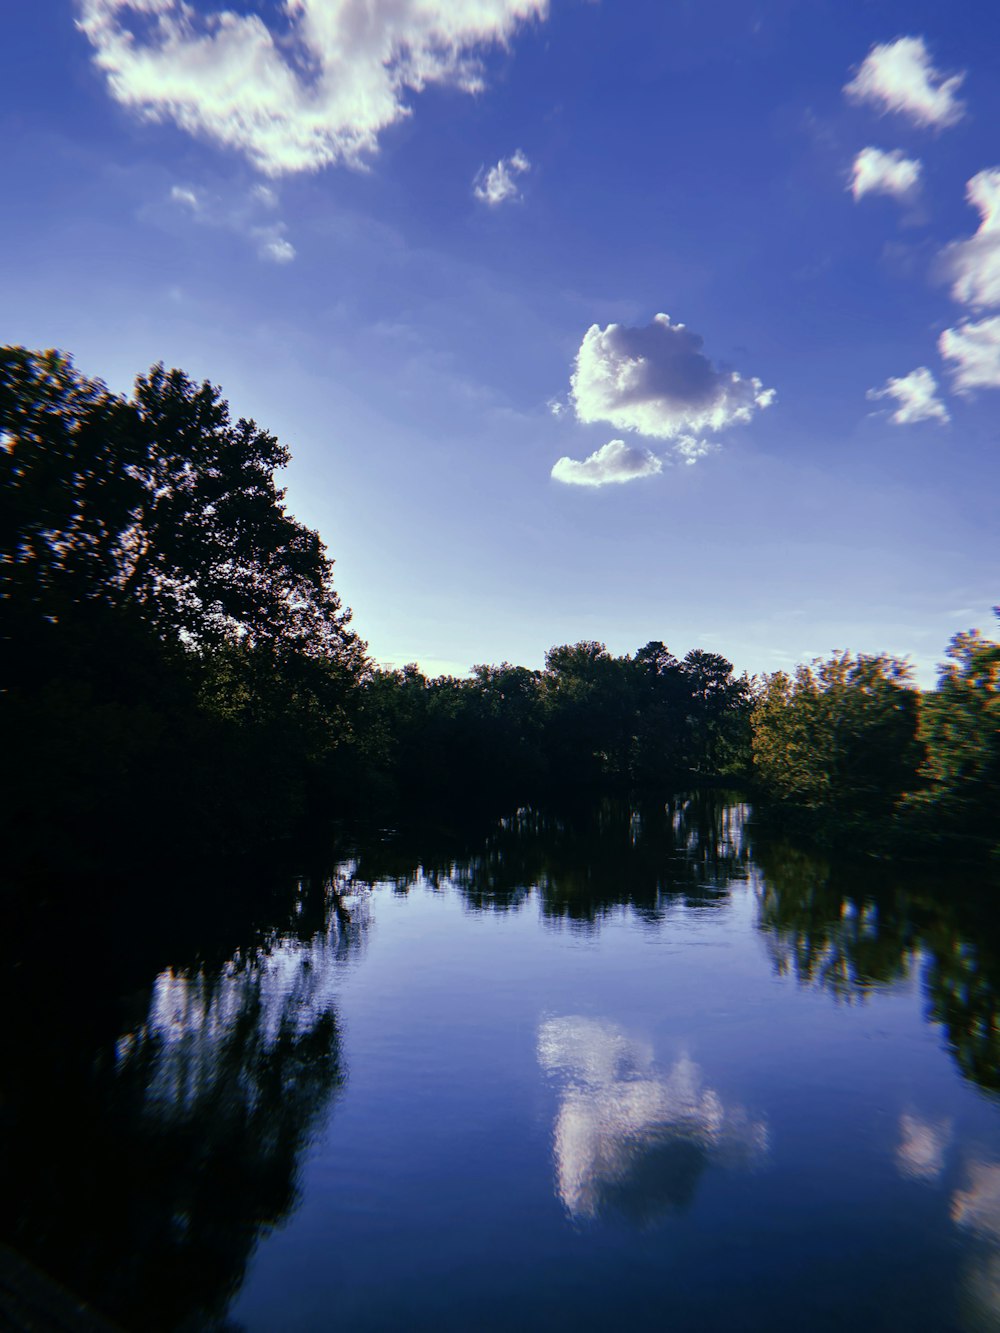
{"x":611,"y":1067}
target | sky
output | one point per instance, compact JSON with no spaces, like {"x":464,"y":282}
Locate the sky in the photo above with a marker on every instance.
{"x":582,"y":319}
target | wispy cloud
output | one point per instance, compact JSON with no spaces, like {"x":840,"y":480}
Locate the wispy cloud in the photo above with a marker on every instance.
{"x":243,"y":217}
{"x":319,"y":91}
{"x":183,"y":194}
{"x":689,"y":449}
{"x":974,"y":349}
{"x":272,"y":244}
{"x":657,"y":381}
{"x":615,"y":461}
{"x":878,"y":172}
{"x":900,"y":76}
{"x":498,"y":185}
{"x":917,"y":396}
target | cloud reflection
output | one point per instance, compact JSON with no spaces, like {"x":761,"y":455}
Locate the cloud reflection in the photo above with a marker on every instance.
{"x":627,"y":1137}
{"x":922,"y":1147}
{"x":977,"y":1209}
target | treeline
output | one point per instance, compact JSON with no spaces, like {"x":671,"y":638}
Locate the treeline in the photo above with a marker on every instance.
{"x":848,"y":747}
{"x":178,"y":670}
{"x":588,"y":719}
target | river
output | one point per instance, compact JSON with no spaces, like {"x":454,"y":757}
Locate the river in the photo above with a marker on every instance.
{"x":617,"y":1065}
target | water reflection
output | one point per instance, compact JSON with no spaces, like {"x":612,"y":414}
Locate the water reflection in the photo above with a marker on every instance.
{"x":976,"y":1209}
{"x":628,"y":1138}
{"x":582,"y":862}
{"x":186,"y":1132}
{"x":829,"y":933}
{"x":920,"y":1154}
{"x":857,"y":929}
{"x":848,"y":929}
{"x":161,"y":1123}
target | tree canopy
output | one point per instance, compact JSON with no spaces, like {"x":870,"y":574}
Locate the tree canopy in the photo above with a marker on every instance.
{"x":839,"y":735}
{"x":159,"y":503}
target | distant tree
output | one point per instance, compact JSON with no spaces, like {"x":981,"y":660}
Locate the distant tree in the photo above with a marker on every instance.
{"x":661,"y":740}
{"x":839,"y":736}
{"x":718,"y":713}
{"x":589,"y":711}
{"x":960,"y":728}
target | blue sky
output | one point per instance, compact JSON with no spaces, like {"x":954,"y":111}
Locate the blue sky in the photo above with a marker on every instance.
{"x":673,"y":319}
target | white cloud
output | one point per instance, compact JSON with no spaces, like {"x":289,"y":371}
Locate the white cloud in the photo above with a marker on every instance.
{"x":242,"y":216}
{"x":690,"y":449}
{"x":182,"y":194}
{"x":499,"y":185}
{"x":320,"y":90}
{"x":273,"y":244}
{"x":878,"y":172}
{"x":265,"y":195}
{"x":615,"y":461}
{"x":900,"y":76}
{"x":656,"y":380}
{"x":917,"y":396}
{"x":974,"y":347}
{"x":975,"y":264}
{"x":978,"y":1207}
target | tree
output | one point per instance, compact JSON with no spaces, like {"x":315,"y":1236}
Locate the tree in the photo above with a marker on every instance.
{"x":159,"y":504}
{"x":589,"y":711}
{"x":718,"y":712}
{"x":173,"y":638}
{"x":839,"y":737}
{"x":960,"y":728}
{"x":661,"y":740}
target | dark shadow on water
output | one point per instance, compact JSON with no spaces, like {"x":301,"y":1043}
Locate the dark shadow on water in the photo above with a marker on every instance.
{"x":155,"y":1127}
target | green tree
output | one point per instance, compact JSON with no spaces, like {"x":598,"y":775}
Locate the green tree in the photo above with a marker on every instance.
{"x":718,"y":713}
{"x":960,"y":728}
{"x":589,"y":710}
{"x":839,"y":737}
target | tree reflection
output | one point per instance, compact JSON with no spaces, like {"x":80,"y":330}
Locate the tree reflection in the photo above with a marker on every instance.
{"x":963,"y":987}
{"x":847,"y":938}
{"x":851,"y":930}
{"x":582,"y":861}
{"x":185,"y":1135}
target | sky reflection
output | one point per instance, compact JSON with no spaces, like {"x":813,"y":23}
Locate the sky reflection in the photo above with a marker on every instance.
{"x":631,"y":1139}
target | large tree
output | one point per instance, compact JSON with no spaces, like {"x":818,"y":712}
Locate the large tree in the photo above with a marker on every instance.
{"x":160,"y":504}
{"x":172,"y":637}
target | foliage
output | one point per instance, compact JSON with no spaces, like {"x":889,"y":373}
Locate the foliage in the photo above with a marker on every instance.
{"x":838,"y":737}
{"x":159,"y":503}
{"x":588,"y":719}
{"x":960,"y":729}
{"x":173,"y":640}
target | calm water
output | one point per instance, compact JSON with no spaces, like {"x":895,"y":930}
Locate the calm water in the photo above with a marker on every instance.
{"x":615,"y":1068}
